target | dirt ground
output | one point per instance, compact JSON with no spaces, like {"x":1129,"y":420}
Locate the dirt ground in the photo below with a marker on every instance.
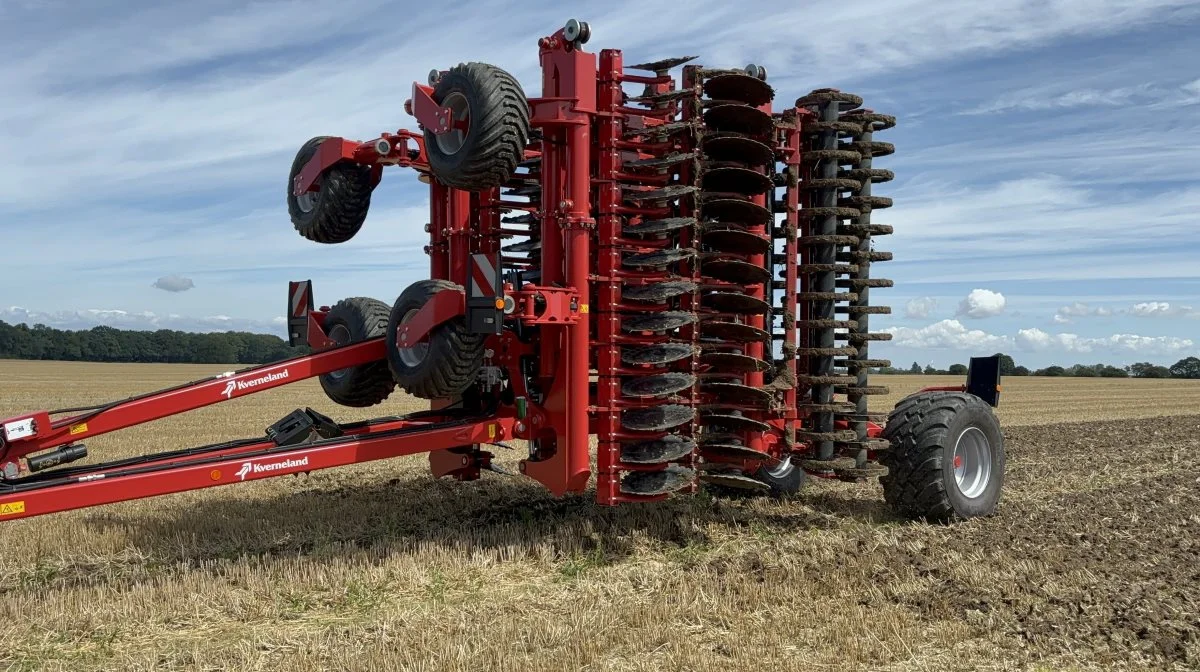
{"x":1092,"y":563}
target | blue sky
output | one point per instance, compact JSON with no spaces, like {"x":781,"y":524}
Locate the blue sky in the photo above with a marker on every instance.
{"x":1048,"y":161}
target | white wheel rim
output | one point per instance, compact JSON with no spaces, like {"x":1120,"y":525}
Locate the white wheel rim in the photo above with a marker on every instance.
{"x":307,"y":202}
{"x":453,"y":140}
{"x":972,"y":461}
{"x":340,"y":335}
{"x":414,"y":355}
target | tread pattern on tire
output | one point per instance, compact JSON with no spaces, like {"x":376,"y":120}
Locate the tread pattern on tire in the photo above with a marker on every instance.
{"x":499,"y":132}
{"x":451,"y":363}
{"x":917,"y":429}
{"x":366,"y":384}
{"x":342,"y":202}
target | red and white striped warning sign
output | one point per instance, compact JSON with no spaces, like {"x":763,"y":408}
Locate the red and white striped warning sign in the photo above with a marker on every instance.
{"x":483,"y":276}
{"x":299,"y":298}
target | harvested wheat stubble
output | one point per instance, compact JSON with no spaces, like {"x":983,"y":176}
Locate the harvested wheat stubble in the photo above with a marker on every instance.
{"x":1090,"y":564}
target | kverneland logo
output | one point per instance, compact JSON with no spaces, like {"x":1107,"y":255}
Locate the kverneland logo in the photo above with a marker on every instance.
{"x":261,"y":468}
{"x":239,"y":385}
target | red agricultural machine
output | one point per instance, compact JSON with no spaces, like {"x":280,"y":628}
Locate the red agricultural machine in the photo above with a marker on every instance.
{"x":678,"y":266}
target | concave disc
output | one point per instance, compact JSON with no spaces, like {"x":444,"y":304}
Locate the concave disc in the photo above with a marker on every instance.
{"x":735,"y":270}
{"x":738,"y":393}
{"x":733,"y":331}
{"x":732,"y":207}
{"x":657,"y":259}
{"x":733,"y":450}
{"x":736,"y":179}
{"x":657,"y":292}
{"x":737,"y":147}
{"x":657,"y":482}
{"x":527,"y":246}
{"x":667,"y":193}
{"x":732,"y":238}
{"x":659,"y":226}
{"x":667,"y":449}
{"x":735,"y":302}
{"x":740,"y":87}
{"x":739,"y":118}
{"x":664,"y":321}
{"x":734,"y":480}
{"x":656,"y":418}
{"x":733,"y":362}
{"x":663,"y":353}
{"x":658,"y":385}
{"x":730,"y":421}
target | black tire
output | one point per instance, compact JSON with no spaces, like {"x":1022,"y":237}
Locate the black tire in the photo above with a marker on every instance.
{"x":337,"y":210}
{"x":923,"y":430}
{"x":499,"y":129}
{"x":449,"y":362}
{"x":355,"y":320}
{"x":783,"y":481}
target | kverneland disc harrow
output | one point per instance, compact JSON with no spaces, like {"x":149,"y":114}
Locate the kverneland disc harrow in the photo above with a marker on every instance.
{"x":661,"y":256}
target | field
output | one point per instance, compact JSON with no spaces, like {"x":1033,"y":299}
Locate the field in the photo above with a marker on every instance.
{"x":1093,"y":561}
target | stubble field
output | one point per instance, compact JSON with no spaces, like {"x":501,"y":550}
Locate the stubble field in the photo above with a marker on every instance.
{"x":1093,"y":561}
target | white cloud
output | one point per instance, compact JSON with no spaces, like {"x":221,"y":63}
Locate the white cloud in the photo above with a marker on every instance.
{"x":1163,"y":309}
{"x":1066,"y":314}
{"x":173,"y":283}
{"x":1036,"y":340}
{"x":1043,"y":98}
{"x":140,"y":321}
{"x":982,"y":303}
{"x":947,"y":334}
{"x":920,"y":307}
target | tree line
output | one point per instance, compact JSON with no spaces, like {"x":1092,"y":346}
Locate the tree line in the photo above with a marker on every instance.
{"x":107,"y":344}
{"x":1188,"y":367}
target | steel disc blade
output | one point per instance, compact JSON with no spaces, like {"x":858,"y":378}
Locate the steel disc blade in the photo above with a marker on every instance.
{"x":657,"y":355}
{"x":733,"y":362}
{"x":657,"y":385}
{"x":667,"y":449}
{"x":731,"y":421}
{"x":736,"y":179}
{"x":736,"y":393}
{"x":665,"y":321}
{"x":659,"y":226}
{"x":648,"y":483}
{"x":733,"y":331}
{"x":660,"y":161}
{"x":657,"y":292}
{"x":739,"y":118}
{"x":527,"y":246}
{"x":735,"y":302}
{"x":734,"y":480}
{"x":733,"y":450}
{"x":667,"y":193}
{"x":732,"y":207}
{"x":736,"y":239}
{"x":520,"y":219}
{"x":657,"y":259}
{"x":736,"y":271}
{"x":737,"y":147}
{"x":664,"y":64}
{"x":739,"y":87}
{"x":656,"y":418}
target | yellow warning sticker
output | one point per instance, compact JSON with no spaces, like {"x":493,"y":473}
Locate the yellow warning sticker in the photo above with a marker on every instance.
{"x":583,"y":307}
{"x":79,"y":428}
{"x":491,"y":431}
{"x":12,"y":508}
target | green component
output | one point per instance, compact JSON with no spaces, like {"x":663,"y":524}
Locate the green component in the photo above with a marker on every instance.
{"x":520,"y":408}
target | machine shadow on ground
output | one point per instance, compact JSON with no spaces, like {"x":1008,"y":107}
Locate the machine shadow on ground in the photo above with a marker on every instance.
{"x":497,"y":514}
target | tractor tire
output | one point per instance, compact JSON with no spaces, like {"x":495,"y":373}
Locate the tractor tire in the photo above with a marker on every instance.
{"x":336,"y":211}
{"x":445,"y":366}
{"x":486,"y":154}
{"x":946,"y":461}
{"x":355,"y":320}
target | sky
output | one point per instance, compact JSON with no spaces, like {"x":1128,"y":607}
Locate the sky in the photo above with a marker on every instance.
{"x":1046,"y":199}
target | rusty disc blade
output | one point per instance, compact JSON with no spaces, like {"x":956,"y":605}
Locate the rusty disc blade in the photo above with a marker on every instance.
{"x":735,"y":179}
{"x":737,"y":147}
{"x":657,"y":258}
{"x":733,"y":450}
{"x":656,"y":418}
{"x":732,"y":238}
{"x":527,"y":246}
{"x":658,"y":385}
{"x":734,"y":480}
{"x":667,"y":449}
{"x":735,"y":302}
{"x":738,"y":394}
{"x":732,"y":207}
{"x":733,"y":362}
{"x":659,"y":226}
{"x":732,"y":422}
{"x":657,"y":482}
{"x":664,"y":64}
{"x":657,"y":292}
{"x":740,"y":87}
{"x":739,"y":118}
{"x":667,"y":193}
{"x":733,"y":331}
{"x":735,"y":270}
{"x":665,"y":321}
{"x":656,"y":355}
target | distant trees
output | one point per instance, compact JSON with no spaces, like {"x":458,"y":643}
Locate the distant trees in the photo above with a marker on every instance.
{"x":106,"y":344}
{"x":1148,"y":370}
{"x":1184,"y":368}
{"x":957,"y":370}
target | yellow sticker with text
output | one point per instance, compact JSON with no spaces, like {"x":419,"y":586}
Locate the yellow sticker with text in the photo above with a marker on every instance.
{"x":583,"y":307}
{"x":491,"y":431}
{"x":79,"y":429}
{"x":12,"y":508}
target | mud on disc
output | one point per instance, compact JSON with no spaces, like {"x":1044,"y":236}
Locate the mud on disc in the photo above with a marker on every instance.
{"x":667,"y":449}
{"x":657,"y":292}
{"x":656,"y":418}
{"x":658,"y":258}
{"x":732,"y":421}
{"x":658,"y":226}
{"x":668,"y":480}
{"x":738,"y":393}
{"x":733,"y":238}
{"x":664,"y":321}
{"x":657,"y":385}
{"x":734,"y":362}
{"x":733,"y":331}
{"x":740,"y":87}
{"x":663,"y":353}
{"x":667,"y":193}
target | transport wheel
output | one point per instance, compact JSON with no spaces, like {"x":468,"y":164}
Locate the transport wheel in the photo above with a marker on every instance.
{"x":946,"y":462}
{"x":355,"y":320}
{"x":445,"y":365}
{"x":782,"y":479}
{"x":337,"y":209}
{"x":490,"y":127}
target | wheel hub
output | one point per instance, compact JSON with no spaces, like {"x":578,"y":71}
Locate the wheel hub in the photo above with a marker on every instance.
{"x":413,"y":355}
{"x":972,"y":461}
{"x":340,"y":335}
{"x":307,"y":201}
{"x":460,"y":114}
